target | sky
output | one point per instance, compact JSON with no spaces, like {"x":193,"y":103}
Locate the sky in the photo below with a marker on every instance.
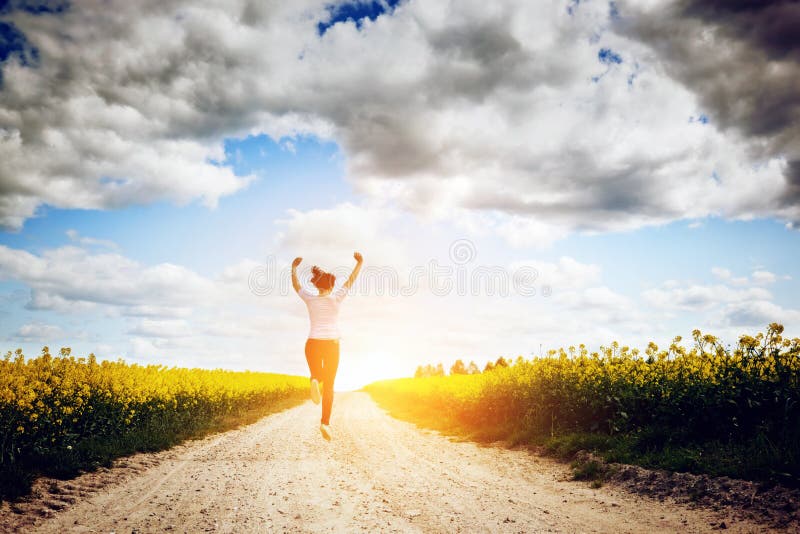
{"x":519,"y":176}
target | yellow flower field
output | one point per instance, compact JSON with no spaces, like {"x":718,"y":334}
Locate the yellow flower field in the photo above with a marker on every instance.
{"x":706,"y":409}
{"x":58,"y":414}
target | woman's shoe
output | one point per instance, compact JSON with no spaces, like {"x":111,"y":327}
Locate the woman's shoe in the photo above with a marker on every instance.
{"x":326,"y":432}
{"x":315,"y":394}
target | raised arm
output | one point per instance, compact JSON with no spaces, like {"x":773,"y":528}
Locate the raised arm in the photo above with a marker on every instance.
{"x":295,"y":281}
{"x":359,"y":260}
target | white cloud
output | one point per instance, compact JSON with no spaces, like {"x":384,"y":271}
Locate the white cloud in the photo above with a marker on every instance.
{"x":442,"y":107}
{"x":330,"y":236}
{"x":698,"y":297}
{"x":75,"y":237}
{"x":62,"y":276}
{"x":728,"y":311}
{"x":721,"y":272}
{"x":566,"y":274}
{"x":763,"y":277}
{"x":164,"y":328}
{"x":758,"y":277}
{"x":727,"y":276}
{"x":38,"y":332}
{"x":758,"y":313}
{"x":150,"y":310}
{"x":596,"y":297}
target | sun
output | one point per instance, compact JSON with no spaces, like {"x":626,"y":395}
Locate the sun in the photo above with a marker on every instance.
{"x":358,"y":369}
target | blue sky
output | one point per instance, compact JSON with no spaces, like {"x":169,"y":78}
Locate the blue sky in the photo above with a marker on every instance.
{"x":355,"y":12}
{"x":555,"y":140}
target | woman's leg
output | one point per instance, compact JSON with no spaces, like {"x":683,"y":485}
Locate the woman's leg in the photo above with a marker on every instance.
{"x":329,"y":367}
{"x":314,"y":359}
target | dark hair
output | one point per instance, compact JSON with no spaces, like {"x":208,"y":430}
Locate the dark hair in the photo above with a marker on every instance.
{"x":322,"y":280}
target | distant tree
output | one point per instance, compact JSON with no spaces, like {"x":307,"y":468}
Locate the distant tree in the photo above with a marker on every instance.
{"x":420,"y":372}
{"x":439,"y":370}
{"x":501,"y":362}
{"x":489,"y":367}
{"x":458,"y":368}
{"x":473,"y":369}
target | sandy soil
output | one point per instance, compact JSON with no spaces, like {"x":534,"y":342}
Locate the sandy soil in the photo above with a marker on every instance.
{"x":377,"y":475}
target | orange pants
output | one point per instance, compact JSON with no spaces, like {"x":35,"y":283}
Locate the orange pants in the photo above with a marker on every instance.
{"x":322,"y":356}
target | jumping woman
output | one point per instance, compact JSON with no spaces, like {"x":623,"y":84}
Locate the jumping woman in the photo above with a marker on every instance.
{"x":322,"y":346}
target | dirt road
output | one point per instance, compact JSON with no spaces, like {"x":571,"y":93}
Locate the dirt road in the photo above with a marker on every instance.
{"x":378,"y":475}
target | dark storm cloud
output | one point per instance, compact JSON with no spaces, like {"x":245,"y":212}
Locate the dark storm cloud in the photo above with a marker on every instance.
{"x":603,"y":197}
{"x":772,"y":103}
{"x":793,"y":179}
{"x":742,"y":59}
{"x":771,"y":26}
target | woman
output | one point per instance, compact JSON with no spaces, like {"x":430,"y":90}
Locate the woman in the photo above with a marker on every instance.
{"x":322,"y":346}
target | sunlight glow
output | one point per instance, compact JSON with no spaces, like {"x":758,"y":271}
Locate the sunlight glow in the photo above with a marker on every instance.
{"x":359,"y":369}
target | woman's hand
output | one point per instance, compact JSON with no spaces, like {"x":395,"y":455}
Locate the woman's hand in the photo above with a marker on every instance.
{"x":358,"y":257}
{"x":297,"y":261}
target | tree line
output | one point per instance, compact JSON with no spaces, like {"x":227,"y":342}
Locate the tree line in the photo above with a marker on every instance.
{"x":459,"y":368}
